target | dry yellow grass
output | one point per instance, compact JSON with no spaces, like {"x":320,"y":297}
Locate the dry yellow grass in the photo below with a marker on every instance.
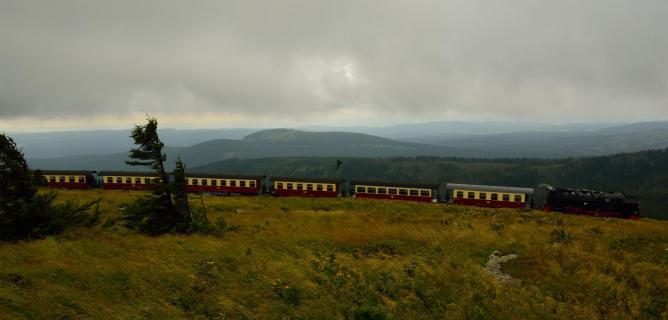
{"x":341,"y":258}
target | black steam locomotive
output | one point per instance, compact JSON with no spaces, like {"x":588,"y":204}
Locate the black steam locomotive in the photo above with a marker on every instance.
{"x":587,"y":202}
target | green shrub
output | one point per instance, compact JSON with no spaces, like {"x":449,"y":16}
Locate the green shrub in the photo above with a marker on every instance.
{"x":410,"y":269}
{"x":368,"y":313}
{"x":16,"y":280}
{"x":559,"y":235}
{"x":287,"y":291}
{"x":40,"y":217}
{"x":497,"y":227}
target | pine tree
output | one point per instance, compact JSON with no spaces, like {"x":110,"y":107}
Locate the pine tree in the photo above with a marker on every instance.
{"x":180,"y":192}
{"x":15,"y":177}
{"x":155,"y":214}
{"x":24,"y":213}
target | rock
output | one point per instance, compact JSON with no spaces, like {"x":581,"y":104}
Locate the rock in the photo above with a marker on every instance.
{"x":493,"y":267}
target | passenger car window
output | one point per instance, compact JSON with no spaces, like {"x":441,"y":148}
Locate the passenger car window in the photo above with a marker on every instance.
{"x":382,"y":190}
{"x":518,"y":198}
{"x":506,"y":197}
{"x":195,"y":182}
{"x":424,"y":193}
{"x":392,"y":191}
{"x":460,"y":194}
{"x":361,"y":189}
{"x":403,"y":192}
{"x":371,"y":190}
{"x":471,"y":195}
{"x":242,"y":183}
{"x":138,"y":180}
{"x":128,"y":180}
{"x":495,"y":197}
{"x":414,"y":193}
{"x":330,"y":187}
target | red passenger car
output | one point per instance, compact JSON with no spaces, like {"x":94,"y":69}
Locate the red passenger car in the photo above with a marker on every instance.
{"x":489,"y":196}
{"x":297,"y":187}
{"x":395,"y":191}
{"x":68,"y":179}
{"x":218,"y":183}
{"x":124,"y":180}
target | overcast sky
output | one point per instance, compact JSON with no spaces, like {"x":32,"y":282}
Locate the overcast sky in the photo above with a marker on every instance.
{"x":94,"y":64}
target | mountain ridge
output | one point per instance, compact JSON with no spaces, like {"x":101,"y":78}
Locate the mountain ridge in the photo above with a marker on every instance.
{"x":268,"y":143}
{"x":293,"y":142}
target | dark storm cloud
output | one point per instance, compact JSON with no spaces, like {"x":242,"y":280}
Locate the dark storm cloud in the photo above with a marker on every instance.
{"x":310,"y":60}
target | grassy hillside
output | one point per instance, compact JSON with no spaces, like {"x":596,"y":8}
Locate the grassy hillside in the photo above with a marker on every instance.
{"x":341,"y":258}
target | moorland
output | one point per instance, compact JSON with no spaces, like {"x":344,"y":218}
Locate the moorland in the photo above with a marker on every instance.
{"x":340,"y":258}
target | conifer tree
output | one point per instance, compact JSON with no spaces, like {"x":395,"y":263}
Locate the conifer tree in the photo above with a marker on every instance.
{"x":156,"y":214}
{"x":180,"y":192}
{"x":15,"y":177}
{"x":23,"y":212}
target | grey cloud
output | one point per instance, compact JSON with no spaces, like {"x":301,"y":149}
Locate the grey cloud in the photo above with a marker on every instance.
{"x":566,"y":60}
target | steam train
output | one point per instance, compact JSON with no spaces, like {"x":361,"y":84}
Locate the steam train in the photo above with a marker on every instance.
{"x":545,"y":197}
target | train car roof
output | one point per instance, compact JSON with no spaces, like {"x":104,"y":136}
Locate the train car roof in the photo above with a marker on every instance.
{"x":476,"y":187}
{"x":221,"y":176}
{"x":67,"y":172}
{"x":311,"y":180}
{"x":128,"y":174}
{"x":395,"y":184}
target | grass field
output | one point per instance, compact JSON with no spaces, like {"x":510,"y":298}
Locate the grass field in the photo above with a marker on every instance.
{"x":341,"y":258}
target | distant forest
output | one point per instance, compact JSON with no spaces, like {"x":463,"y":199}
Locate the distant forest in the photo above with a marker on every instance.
{"x":644,"y":174}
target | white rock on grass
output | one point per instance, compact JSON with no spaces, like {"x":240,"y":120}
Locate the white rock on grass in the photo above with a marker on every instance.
{"x":493,"y":267}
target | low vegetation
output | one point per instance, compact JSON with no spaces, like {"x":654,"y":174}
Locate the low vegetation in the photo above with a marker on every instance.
{"x":339,"y":258}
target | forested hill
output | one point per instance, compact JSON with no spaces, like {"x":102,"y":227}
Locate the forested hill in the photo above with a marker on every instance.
{"x":642,"y":173}
{"x":266,"y":143}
